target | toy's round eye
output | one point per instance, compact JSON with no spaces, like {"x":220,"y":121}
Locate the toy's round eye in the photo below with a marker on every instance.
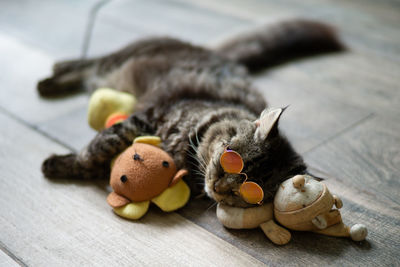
{"x":123,"y":178}
{"x":165,"y":164}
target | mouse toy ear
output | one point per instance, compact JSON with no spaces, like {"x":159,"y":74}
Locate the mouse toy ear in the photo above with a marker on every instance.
{"x":148,"y":139}
{"x":116,"y":201}
{"x":267,"y":122}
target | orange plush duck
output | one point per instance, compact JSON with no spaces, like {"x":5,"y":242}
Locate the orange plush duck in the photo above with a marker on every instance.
{"x":145,"y":173}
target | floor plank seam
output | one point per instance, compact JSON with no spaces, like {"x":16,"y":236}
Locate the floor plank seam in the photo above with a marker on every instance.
{"x":341,"y":132}
{"x":261,"y":260}
{"x":36,"y":129}
{"x":90,"y":26}
{"x":11,"y":255}
{"x":222,"y":239}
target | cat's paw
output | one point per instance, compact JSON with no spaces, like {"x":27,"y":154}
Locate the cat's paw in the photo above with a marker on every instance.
{"x":58,"y":86}
{"x":59,"y":167}
{"x":47,"y":87}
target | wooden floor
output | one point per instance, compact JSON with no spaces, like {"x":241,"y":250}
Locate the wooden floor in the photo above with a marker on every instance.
{"x":344,"y":117}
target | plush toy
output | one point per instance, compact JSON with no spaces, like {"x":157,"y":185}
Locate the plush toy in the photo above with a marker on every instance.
{"x":108,"y":106}
{"x":301,"y":203}
{"x":143,"y":173}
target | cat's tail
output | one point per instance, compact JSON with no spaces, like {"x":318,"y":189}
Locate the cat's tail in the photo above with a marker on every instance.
{"x":272,"y":45}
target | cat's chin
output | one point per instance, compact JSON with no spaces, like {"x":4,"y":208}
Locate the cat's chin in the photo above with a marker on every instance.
{"x":229,"y":199}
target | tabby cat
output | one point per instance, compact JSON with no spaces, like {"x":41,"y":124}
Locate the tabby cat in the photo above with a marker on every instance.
{"x":199,"y":101}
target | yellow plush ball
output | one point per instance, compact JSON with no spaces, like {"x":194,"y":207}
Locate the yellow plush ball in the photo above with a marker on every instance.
{"x":104,"y":102}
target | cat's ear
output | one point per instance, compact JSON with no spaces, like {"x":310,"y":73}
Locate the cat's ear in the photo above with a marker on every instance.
{"x":267,"y":123}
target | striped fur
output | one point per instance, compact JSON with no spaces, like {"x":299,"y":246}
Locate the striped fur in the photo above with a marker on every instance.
{"x":198,"y":101}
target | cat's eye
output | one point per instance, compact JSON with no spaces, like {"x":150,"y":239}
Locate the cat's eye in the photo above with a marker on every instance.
{"x":232,"y":162}
{"x":123,"y":178}
{"x":165,"y":164}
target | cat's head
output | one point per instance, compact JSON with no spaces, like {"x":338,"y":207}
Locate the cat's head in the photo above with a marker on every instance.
{"x":268,"y":157}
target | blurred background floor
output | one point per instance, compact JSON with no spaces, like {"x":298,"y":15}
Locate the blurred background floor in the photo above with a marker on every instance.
{"x":344,"y":117}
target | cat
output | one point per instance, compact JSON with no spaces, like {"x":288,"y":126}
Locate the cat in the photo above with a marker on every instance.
{"x":199,"y":101}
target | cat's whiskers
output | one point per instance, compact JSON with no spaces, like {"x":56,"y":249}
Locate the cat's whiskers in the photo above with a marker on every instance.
{"x":211,"y":206}
{"x":193,"y":156}
{"x":197,"y":170}
{"x":199,"y":173}
{"x":197,"y":156}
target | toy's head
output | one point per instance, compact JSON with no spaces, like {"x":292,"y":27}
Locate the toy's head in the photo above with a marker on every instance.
{"x":140,"y":173}
{"x":300,"y":200}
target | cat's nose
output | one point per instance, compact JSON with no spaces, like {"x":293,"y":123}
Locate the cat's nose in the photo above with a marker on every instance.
{"x":221,"y":186}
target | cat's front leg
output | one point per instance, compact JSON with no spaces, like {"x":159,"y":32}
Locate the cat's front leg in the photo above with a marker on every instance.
{"x":94,"y":160}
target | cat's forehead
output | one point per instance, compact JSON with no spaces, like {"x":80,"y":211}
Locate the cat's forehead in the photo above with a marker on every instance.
{"x":245,"y":143}
{"x":245,"y":129}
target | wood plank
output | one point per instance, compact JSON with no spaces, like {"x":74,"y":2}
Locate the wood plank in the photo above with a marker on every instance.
{"x":108,"y":37}
{"x":5,"y":260}
{"x":22,"y":66}
{"x":366,"y":157}
{"x":350,"y":17}
{"x":311,"y":118}
{"x":58,"y":27}
{"x":149,"y":18}
{"x":66,"y":223}
{"x":72,"y":128}
{"x":358,"y":79}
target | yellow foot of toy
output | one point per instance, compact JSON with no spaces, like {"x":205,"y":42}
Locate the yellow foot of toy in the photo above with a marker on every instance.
{"x":173,"y":198}
{"x":133,"y":211}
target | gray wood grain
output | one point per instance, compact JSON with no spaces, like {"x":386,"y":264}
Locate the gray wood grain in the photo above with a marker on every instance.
{"x":57,"y":27}
{"x":23,"y":66}
{"x":311,"y":117}
{"x":5,"y":260}
{"x":122,"y":21}
{"x":352,"y":18}
{"x":72,"y":128}
{"x":70,"y":224}
{"x":365,"y":157}
{"x":355,"y":78}
{"x":107,"y":37}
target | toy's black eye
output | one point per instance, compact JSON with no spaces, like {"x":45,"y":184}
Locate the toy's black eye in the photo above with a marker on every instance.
{"x":165,"y":164}
{"x":124,"y":178}
{"x":136,"y":156}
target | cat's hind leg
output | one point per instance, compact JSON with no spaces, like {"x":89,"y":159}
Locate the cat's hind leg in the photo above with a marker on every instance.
{"x":68,"y":77}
